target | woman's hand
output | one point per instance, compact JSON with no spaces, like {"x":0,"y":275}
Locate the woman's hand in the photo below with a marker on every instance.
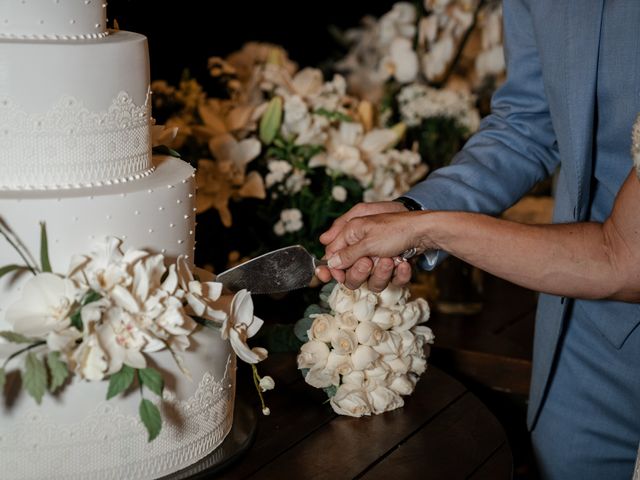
{"x":382,"y":236}
{"x":378,"y":272}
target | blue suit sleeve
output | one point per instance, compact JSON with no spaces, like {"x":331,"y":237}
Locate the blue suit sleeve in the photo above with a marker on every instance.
{"x":515,"y":146}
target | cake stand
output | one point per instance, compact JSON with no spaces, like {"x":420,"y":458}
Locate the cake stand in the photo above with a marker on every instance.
{"x":231,"y":449}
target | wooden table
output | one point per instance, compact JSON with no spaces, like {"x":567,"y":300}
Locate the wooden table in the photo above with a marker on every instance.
{"x":442,"y":432}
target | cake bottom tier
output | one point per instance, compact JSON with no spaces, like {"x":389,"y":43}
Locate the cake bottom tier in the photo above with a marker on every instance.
{"x":154,"y":213}
{"x":78,"y":434}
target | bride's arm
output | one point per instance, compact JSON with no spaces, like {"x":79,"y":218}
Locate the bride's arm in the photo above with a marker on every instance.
{"x":580,"y":260}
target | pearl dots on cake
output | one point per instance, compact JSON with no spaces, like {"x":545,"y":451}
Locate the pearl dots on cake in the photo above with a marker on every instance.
{"x":178,"y":201}
{"x":150,"y":230}
{"x":180,"y":242}
{"x":171,"y":225}
{"x":136,"y":212}
{"x":161,"y":208}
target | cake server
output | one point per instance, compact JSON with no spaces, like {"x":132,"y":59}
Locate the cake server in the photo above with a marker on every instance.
{"x":282,"y":270}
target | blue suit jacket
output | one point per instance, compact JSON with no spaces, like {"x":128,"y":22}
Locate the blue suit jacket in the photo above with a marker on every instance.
{"x":542,"y":117}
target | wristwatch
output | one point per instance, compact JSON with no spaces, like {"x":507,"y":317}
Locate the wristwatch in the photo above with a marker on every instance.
{"x":409,"y":203}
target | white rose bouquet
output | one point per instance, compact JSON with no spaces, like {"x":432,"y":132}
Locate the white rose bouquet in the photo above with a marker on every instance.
{"x":365,"y":349}
{"x":105,"y":316}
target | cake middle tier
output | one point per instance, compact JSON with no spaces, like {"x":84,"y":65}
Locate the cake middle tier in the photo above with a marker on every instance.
{"x":74,"y":113}
{"x":155,"y":213}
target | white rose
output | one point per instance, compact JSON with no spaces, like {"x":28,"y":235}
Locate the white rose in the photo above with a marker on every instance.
{"x":425,"y":311}
{"x":424,"y":332}
{"x":393,"y":295}
{"x":369,"y":333}
{"x":357,"y":378}
{"x":344,"y":342}
{"x":363,"y":357}
{"x":418,"y":364}
{"x":402,"y":384}
{"x":346,"y":321}
{"x":267,"y":383}
{"x":351,"y":400}
{"x":322,"y":378}
{"x":392,"y":344}
{"x":342,"y":299}
{"x":383,"y":399}
{"x":313,"y":354}
{"x":365,"y":307}
{"x":323,"y":328}
{"x":386,"y":318}
{"x":377,"y":374}
{"x":410,"y":314}
{"x":411,"y":344}
{"x":340,"y":364}
{"x":398,"y":365}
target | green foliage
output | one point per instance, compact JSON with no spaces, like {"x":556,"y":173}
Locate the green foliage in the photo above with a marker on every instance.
{"x":331,"y":390}
{"x":279,"y":338}
{"x":164,"y":150}
{"x":14,"y":337}
{"x":271,"y":121}
{"x":2,"y":378}
{"x":89,"y":297}
{"x":34,"y":378}
{"x":439,"y":139}
{"x":151,"y":378}
{"x":120,"y":381}
{"x":150,"y":416}
{"x":333,"y":116}
{"x":44,"y":249}
{"x":58,"y":370}
{"x":301,"y":328}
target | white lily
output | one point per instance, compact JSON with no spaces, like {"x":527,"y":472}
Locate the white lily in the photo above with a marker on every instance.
{"x":240,"y":325}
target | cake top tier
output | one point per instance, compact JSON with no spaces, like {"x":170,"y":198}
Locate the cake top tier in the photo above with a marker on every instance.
{"x":53,"y":19}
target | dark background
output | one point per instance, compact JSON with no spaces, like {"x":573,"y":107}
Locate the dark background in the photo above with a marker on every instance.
{"x":185,"y":33}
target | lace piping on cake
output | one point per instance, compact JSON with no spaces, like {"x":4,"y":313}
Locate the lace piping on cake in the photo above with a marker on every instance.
{"x":72,"y":146}
{"x":108,"y":444}
{"x":34,"y":36}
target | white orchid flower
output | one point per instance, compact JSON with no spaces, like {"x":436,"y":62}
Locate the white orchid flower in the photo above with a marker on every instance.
{"x":240,"y":325}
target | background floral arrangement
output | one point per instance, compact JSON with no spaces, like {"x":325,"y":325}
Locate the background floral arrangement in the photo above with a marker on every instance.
{"x":365,"y":349}
{"x":282,"y":151}
{"x":112,"y":309}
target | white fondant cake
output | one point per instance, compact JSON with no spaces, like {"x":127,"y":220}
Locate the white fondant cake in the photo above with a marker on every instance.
{"x":75,"y":153}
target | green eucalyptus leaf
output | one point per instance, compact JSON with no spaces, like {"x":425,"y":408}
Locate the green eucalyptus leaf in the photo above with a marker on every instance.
{"x":150,"y":416}
{"x":301,"y":328}
{"x":271,"y":121}
{"x":58,"y":369}
{"x":314,"y":309}
{"x":14,"y":337}
{"x":34,"y":378}
{"x":120,"y":381}
{"x":11,"y":268}
{"x":331,"y":390}
{"x":44,"y":249}
{"x":151,"y":379}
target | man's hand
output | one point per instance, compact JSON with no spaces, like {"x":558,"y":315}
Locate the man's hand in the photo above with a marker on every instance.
{"x":378,"y":271}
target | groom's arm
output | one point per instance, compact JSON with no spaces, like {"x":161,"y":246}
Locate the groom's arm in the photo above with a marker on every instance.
{"x":515,"y":146}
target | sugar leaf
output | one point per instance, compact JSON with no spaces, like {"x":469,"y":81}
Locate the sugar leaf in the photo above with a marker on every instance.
{"x":151,"y":379}
{"x":35,"y":376}
{"x":150,"y":416}
{"x":11,"y":268}
{"x":14,"y":337}
{"x":58,"y":369}
{"x":120,"y":381}
{"x":44,"y":249}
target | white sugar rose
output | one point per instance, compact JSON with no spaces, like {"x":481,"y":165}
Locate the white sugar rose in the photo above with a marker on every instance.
{"x":351,"y":400}
{"x":386,"y":318}
{"x":378,"y":373}
{"x":369,"y":333}
{"x":323,"y":328}
{"x":383,"y":399}
{"x":363,"y":357}
{"x":45,"y":306}
{"x":341,"y":364}
{"x":346,"y":321}
{"x":322,"y":378}
{"x":424,"y":332}
{"x":313,"y":354}
{"x":402,"y":384}
{"x":365,"y":307}
{"x":344,"y":342}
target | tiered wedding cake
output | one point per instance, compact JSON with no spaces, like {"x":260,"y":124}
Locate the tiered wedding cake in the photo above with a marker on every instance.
{"x":75,"y":152}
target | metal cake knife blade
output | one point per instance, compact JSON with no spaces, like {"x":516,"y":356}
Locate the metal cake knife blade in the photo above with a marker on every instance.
{"x":282,"y":270}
